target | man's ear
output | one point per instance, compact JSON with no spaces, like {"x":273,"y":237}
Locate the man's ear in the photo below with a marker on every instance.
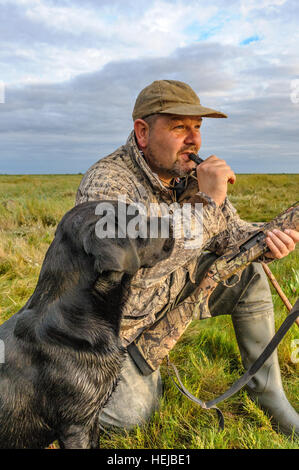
{"x":141,"y":129}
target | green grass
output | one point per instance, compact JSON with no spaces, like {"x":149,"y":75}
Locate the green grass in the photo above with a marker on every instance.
{"x":206,"y":356}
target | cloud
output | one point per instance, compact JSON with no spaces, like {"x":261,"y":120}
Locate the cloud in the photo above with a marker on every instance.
{"x":73,"y":71}
{"x":67,"y":38}
{"x":248,"y":5}
{"x":66,"y":127}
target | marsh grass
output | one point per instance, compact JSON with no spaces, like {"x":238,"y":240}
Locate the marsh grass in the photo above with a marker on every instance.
{"x":206,"y":355}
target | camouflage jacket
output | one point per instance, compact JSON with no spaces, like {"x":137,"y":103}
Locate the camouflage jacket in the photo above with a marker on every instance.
{"x":125,"y":173}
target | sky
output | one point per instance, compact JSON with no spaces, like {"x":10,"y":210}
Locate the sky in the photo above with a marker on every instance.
{"x":70,"y":72}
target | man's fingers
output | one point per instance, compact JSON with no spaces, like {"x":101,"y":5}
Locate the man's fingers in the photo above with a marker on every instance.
{"x":285,"y":238}
{"x":281,"y":243}
{"x":232,"y":178}
{"x":276,"y":251}
{"x":213,"y":176}
{"x":219,"y":165}
{"x":293,"y":234}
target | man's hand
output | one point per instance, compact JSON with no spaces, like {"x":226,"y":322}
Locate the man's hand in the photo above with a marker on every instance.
{"x":281,"y":243}
{"x":213,"y":175}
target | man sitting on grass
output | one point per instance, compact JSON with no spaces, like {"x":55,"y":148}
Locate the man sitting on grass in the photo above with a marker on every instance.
{"x":154,"y":167}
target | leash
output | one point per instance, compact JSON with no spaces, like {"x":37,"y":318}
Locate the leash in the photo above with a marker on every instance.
{"x":245,"y":378}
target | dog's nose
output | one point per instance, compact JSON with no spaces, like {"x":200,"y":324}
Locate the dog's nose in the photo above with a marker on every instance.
{"x":168,"y":245}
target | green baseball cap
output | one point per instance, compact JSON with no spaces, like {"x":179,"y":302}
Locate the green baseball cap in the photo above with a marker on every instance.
{"x":171,"y":97}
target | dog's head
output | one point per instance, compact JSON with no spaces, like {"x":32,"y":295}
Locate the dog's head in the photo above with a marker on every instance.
{"x":120,"y":241}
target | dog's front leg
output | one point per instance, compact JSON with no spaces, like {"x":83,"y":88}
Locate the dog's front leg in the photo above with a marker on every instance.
{"x":75,"y":437}
{"x":94,"y":435}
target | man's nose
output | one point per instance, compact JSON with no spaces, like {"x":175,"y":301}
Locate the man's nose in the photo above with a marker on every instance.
{"x":193,"y":137}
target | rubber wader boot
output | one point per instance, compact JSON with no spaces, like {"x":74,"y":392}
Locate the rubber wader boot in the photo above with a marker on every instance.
{"x":253,"y":333}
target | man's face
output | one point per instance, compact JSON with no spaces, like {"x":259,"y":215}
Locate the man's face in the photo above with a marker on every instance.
{"x":171,"y":138}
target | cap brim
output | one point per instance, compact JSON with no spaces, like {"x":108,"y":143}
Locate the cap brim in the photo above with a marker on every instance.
{"x":193,"y":110}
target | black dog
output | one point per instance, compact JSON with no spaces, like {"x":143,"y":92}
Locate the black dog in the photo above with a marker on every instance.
{"x":62,"y":349}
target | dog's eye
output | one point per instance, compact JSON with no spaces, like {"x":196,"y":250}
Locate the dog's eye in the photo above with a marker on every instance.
{"x":168,"y":245}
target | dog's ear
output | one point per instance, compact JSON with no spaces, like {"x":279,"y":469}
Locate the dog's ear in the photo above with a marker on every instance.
{"x":116,"y":255}
{"x":111,"y":254}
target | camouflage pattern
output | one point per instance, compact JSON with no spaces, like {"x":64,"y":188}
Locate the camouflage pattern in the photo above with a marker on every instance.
{"x":228,"y":268}
{"x":125,"y":173}
{"x":251,"y":248}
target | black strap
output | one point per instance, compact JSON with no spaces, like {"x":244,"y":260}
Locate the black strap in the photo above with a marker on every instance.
{"x":139,"y":360}
{"x":189,"y":395}
{"x":244,"y":379}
